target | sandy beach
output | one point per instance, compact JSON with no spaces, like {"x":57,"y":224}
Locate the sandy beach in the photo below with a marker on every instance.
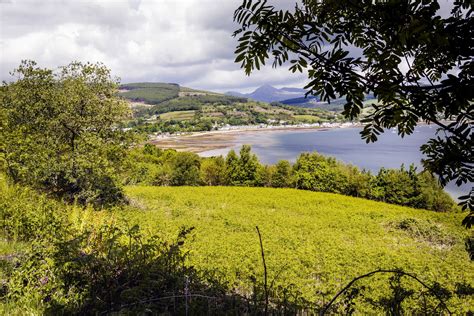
{"x":205,"y":141}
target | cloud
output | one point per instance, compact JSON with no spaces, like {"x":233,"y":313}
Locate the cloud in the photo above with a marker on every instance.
{"x":183,"y":41}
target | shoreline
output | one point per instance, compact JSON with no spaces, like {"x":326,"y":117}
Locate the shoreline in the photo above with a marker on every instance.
{"x":198,"y":142}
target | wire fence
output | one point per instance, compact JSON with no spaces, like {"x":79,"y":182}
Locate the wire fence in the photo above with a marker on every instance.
{"x":188,"y":302}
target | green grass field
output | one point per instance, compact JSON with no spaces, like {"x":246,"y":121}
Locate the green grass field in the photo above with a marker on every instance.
{"x":315,"y":242}
{"x":151,"y":93}
{"x":310,"y":118}
{"x":178,"y":115}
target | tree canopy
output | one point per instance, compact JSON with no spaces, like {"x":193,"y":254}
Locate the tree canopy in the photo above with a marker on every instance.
{"x":59,"y":131}
{"x":418,"y":64}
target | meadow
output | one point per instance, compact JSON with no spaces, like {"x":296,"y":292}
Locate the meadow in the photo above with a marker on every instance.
{"x":178,"y":115}
{"x":151,"y":93}
{"x":315,"y":243}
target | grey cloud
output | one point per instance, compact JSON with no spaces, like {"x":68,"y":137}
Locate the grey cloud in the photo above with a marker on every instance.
{"x":23,"y":17}
{"x":183,"y":41}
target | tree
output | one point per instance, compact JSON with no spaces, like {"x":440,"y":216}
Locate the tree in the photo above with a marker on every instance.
{"x":213,"y":171}
{"x":232,"y":168}
{"x":185,"y":166}
{"x":248,"y":166}
{"x":436,"y":86}
{"x":59,"y":131}
{"x":242,"y":170}
{"x":315,"y":172}
{"x":264,"y":176}
{"x":282,"y":175}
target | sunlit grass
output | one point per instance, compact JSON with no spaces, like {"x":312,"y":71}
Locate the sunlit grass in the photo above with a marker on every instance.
{"x":316,"y":241}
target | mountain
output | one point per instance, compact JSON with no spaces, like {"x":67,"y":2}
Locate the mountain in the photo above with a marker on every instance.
{"x":316,"y":103}
{"x":268,"y":93}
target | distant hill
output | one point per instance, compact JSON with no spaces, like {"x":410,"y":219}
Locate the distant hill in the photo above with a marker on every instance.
{"x":268,"y":93}
{"x":153,"y":93}
{"x":294,"y":97}
{"x":169,"y":107}
{"x":149,"y":92}
{"x":315,"y":103}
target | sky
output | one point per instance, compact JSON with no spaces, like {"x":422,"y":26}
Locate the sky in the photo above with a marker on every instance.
{"x":188,"y":42}
{"x":181,"y":41}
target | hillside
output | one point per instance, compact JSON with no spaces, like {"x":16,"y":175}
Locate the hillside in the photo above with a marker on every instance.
{"x":166,"y":107}
{"x":315,"y":242}
{"x":149,"y":93}
{"x":336,"y":105}
{"x":267,"y":93}
{"x":295,"y":97}
{"x":153,"y":93}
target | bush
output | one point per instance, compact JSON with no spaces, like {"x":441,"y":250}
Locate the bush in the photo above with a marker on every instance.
{"x":311,"y":171}
{"x":114,"y":269}
{"x":423,"y":230}
{"x":185,"y":169}
{"x":213,"y":171}
{"x":315,"y":172}
{"x":281,"y":178}
{"x":59,"y":132}
{"x":27,"y":215}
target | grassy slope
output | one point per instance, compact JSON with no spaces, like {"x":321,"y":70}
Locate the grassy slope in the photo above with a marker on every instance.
{"x":178,"y":115}
{"x":149,"y":92}
{"x":168,"y":98}
{"x":319,"y":241}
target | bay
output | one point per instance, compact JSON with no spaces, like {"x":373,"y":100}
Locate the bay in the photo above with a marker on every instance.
{"x":345,"y":144}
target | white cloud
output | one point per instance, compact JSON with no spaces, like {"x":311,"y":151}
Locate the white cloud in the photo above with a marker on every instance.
{"x":180,"y":41}
{"x":183,"y":41}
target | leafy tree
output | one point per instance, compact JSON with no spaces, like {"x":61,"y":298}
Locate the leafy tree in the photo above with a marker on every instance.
{"x":264,"y":175}
{"x":185,"y":169}
{"x":282,"y":176}
{"x":359,"y":182}
{"x":438,"y":53}
{"x":396,"y":186}
{"x":162,"y":175}
{"x":315,"y":172}
{"x":243,"y":170}
{"x":213,"y":171}
{"x":430,"y":195}
{"x":232,"y":168}
{"x":149,"y":149}
{"x":248,"y":166}
{"x":59,"y":132}
{"x":408,"y":187}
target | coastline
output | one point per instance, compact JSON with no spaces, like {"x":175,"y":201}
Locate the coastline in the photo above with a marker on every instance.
{"x":198,"y":142}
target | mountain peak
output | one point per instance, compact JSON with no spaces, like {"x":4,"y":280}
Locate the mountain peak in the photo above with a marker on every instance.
{"x":266,"y":87}
{"x":268,"y":93}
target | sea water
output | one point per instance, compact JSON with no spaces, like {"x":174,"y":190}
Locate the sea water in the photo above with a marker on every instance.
{"x":345,"y":144}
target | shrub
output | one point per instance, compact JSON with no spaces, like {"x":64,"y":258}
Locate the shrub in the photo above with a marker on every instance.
{"x":27,"y":215}
{"x":59,"y":132}
{"x":213,"y":171}
{"x":315,"y":172}
{"x":185,"y":169}
{"x":281,"y":178}
{"x":423,"y":230}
